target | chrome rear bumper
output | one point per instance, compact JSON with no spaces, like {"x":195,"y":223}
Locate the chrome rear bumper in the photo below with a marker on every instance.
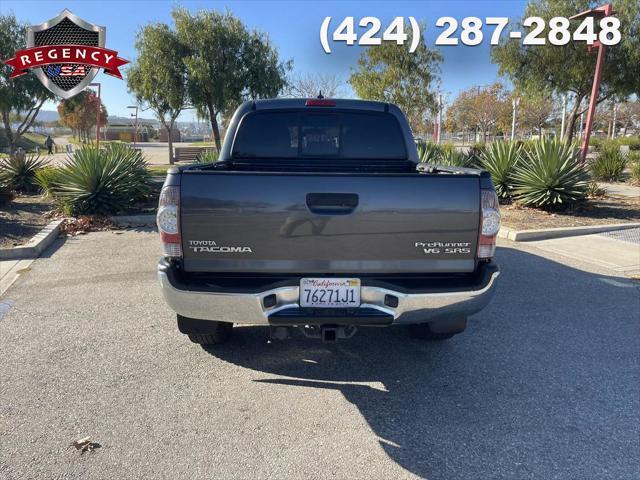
{"x":248,"y":308}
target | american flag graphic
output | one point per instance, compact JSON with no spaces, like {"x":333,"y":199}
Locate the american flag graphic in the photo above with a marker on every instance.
{"x":73,"y":71}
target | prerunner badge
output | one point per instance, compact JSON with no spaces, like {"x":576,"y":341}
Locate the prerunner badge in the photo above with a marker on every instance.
{"x":66,"y":53}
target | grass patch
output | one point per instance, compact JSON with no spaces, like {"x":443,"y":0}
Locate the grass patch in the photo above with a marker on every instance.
{"x":28,"y":142}
{"x":157,"y":170}
{"x":92,"y":142}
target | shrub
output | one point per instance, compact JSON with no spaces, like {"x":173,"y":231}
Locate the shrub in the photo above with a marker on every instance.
{"x":632,"y":142}
{"x":454,"y":158}
{"x":609,"y":145}
{"x":476,"y":152}
{"x":633,"y":157}
{"x":46,"y":178}
{"x":209,"y":156}
{"x":18,"y":172}
{"x":595,"y":142}
{"x":550,"y":175}
{"x":101,"y":181}
{"x":635,"y":173}
{"x":428,"y":152}
{"x":610,"y":163}
{"x":595,"y":191}
{"x":446,"y":147}
{"x":500,"y":160}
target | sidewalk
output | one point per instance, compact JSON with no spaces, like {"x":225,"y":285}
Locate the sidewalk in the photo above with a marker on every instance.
{"x":621,"y":189}
{"x":619,"y":252}
{"x":10,"y":270}
{"x":155,"y":153}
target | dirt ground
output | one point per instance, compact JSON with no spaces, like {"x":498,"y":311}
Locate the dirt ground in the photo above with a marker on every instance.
{"x":598,"y":211}
{"x":22,"y":218}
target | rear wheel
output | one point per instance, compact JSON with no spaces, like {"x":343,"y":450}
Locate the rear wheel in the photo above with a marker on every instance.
{"x":205,"y":332}
{"x":440,"y":330}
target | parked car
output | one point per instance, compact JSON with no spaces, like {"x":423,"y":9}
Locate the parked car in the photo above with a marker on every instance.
{"x":318,"y":214}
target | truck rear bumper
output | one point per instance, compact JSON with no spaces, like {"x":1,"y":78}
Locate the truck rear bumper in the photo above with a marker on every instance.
{"x":380,"y":306}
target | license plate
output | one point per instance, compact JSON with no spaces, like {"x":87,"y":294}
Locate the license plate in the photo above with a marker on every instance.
{"x":330,"y":292}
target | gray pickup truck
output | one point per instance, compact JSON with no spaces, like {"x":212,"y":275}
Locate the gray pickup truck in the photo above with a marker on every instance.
{"x":318,"y":214}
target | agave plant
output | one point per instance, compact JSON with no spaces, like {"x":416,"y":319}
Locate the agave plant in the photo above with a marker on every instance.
{"x":610,"y":163}
{"x":209,"y":156}
{"x":500,"y":160}
{"x":18,"y":171}
{"x":428,"y":152}
{"x":476,"y":152}
{"x":453,"y":158}
{"x":102,"y":182}
{"x":550,"y":175}
{"x":47,"y":178}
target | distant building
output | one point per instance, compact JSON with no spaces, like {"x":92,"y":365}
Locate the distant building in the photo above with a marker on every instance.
{"x":175,"y":135}
{"x":125,"y":132}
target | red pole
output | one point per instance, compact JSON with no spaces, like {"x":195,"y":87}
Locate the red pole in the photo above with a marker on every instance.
{"x":593,"y":99}
{"x":97,"y":114}
{"x":599,"y":12}
{"x":98,"y":119}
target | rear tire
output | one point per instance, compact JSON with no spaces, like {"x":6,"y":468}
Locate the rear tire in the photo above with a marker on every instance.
{"x":438,"y":331}
{"x":205,"y":332}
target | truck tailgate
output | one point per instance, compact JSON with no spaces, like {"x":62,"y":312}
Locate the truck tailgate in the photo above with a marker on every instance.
{"x":319,"y":223}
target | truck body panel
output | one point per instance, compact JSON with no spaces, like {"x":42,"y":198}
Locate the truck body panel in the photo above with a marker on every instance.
{"x":329,"y":223}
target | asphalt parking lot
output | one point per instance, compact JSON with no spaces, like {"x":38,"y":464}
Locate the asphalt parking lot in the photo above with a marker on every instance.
{"x":544,"y":384}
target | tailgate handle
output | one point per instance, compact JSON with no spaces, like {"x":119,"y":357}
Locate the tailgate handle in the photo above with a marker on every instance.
{"x":332,"y":203}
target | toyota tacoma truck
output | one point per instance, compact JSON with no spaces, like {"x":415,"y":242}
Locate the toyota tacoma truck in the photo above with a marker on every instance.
{"x":318,"y":214}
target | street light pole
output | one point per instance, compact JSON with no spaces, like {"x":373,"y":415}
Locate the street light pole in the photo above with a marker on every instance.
{"x":135,"y":132}
{"x":514,"y":102}
{"x":564,"y":114}
{"x":99,"y":110}
{"x":599,"y":12}
{"x":437,"y":123}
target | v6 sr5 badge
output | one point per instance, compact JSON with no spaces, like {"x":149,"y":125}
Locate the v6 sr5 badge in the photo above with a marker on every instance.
{"x":445,"y":248}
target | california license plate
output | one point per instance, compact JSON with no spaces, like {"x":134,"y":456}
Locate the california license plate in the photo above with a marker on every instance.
{"x":330,"y":292}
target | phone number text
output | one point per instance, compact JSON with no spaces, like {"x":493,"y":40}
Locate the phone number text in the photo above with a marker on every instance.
{"x":470,"y":31}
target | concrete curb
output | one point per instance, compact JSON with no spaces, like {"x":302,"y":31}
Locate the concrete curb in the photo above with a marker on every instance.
{"x":134,"y":220}
{"x":545,"y":234}
{"x":35,"y":246}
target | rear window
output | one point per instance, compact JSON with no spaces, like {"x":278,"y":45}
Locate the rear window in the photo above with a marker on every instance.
{"x":346,"y":135}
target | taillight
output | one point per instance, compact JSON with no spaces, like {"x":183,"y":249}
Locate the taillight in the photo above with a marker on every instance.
{"x":168,"y":222}
{"x":489,"y":223}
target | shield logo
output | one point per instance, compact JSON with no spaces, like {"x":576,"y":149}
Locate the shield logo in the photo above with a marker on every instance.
{"x":66,"y":79}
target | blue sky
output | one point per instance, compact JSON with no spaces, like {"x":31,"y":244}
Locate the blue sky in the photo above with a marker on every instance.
{"x":293,"y":26}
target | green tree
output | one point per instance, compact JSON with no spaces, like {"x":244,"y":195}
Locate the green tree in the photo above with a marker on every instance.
{"x":158,"y":78}
{"x":226,"y":63}
{"x":390,"y":73}
{"x":20,"y":97}
{"x":80,"y":113}
{"x":533,"y":112}
{"x":570,"y":68}
{"x":481,"y":109}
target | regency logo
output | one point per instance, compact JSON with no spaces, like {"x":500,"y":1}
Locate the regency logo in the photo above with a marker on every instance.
{"x":66,"y":53}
